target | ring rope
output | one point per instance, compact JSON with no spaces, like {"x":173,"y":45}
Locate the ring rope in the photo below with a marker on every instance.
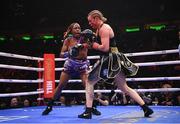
{"x":20,"y":81}
{"x":119,"y":91}
{"x":20,"y":56}
{"x":153,"y":53}
{"x":83,"y":91}
{"x":134,"y":54}
{"x":139,"y":79}
{"x":21,"y":94}
{"x":21,"y":67}
{"x":77,"y":80}
{"x":91,"y":57}
{"x":158,"y":63}
{"x":146,"y":64}
{"x":60,"y":69}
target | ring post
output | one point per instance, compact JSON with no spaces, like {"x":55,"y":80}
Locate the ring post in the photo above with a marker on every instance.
{"x":40,"y":96}
{"x":49,"y":75}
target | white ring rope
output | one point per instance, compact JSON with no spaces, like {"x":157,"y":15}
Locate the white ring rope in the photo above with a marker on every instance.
{"x":21,"y":67}
{"x":158,"y":63}
{"x":153,"y":79}
{"x":77,"y":80}
{"x":83,"y":91}
{"x":20,"y":81}
{"x":153,"y":53}
{"x":60,"y":69}
{"x":20,"y":56}
{"x":146,"y":64}
{"x":21,"y":94}
{"x":91,"y":57}
{"x":119,"y":91}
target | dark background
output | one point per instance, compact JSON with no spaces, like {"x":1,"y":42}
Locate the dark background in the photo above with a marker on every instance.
{"x":35,"y":17}
{"x":31,"y":15}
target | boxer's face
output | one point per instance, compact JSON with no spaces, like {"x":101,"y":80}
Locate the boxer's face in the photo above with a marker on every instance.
{"x":76,"y":30}
{"x":92,"y":22}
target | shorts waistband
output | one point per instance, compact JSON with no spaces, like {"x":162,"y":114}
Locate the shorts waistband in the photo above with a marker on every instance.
{"x":79,"y":60}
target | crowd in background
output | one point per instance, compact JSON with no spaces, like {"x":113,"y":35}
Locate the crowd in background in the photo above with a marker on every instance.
{"x":132,"y":42}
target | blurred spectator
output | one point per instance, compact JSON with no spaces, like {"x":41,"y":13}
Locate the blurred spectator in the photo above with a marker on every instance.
{"x":177,"y":69}
{"x":63,"y":100}
{"x":166,"y":98}
{"x":118,"y":99}
{"x":3,"y":105}
{"x":100,"y":99}
{"x":178,"y":100}
{"x":147,"y":98}
{"x":15,"y":103}
{"x":131,"y":102}
{"x":155,"y":101}
{"x":26,"y":103}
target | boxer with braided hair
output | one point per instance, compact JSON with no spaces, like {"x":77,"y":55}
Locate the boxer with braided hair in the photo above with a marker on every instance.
{"x":75,"y":50}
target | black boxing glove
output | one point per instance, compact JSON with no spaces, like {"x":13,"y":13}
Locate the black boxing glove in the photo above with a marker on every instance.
{"x":88,"y":36}
{"x":74,"y":51}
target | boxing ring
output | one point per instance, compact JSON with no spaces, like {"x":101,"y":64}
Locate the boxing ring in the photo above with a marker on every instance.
{"x":110,"y":114}
{"x":68,"y":114}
